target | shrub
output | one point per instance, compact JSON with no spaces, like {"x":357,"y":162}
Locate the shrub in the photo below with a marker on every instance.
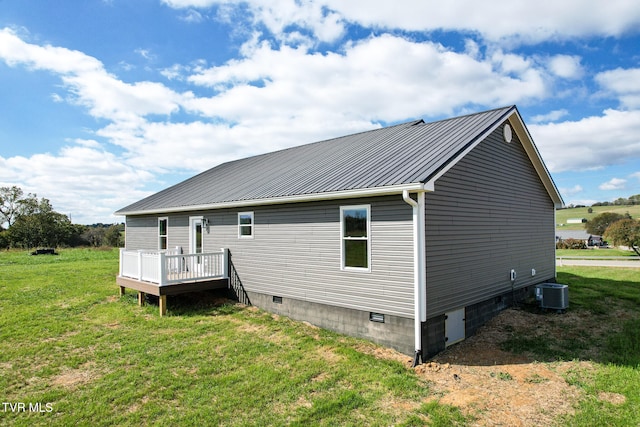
{"x":571,"y":244}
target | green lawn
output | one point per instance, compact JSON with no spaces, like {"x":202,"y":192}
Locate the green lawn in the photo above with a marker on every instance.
{"x":85,"y":356}
{"x":600,"y":252}
{"x":563,"y":215}
{"x":611,"y":296}
{"x":68,"y":340}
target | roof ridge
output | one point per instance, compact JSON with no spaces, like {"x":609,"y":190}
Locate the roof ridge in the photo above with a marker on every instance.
{"x":506,"y":108}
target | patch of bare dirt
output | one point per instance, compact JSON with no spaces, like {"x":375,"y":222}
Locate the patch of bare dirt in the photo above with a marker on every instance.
{"x":500,"y":388}
{"x":329,"y":354}
{"x":497,"y":387}
{"x":72,"y":378}
{"x":136,"y":406}
{"x":613,"y":398}
{"x":113,"y":298}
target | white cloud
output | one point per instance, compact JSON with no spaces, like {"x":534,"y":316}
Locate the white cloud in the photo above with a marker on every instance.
{"x":145,"y":53}
{"x":623,"y":83}
{"x":280,"y":15}
{"x":551,"y":116}
{"x":527,"y":22}
{"x":613,"y":184}
{"x":107,"y":97}
{"x":56,"y":59}
{"x":72,"y":178}
{"x":590,"y":143}
{"x":360,"y":83}
{"x":86,"y":79}
{"x":192,"y":16}
{"x":571,"y":191}
{"x":566,"y":66}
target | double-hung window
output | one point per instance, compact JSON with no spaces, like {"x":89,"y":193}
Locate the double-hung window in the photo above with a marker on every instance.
{"x":245,"y":225}
{"x":355,"y":231}
{"x":163,"y":226}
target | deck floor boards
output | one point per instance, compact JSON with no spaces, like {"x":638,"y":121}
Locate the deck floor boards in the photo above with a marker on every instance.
{"x":173,"y":289}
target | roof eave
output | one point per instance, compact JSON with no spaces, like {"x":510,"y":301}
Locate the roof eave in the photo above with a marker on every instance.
{"x":331,"y":195}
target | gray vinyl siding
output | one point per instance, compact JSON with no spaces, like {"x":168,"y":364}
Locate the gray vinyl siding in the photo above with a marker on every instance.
{"x":141,"y":232}
{"x":295,"y":252}
{"x":489,"y":214}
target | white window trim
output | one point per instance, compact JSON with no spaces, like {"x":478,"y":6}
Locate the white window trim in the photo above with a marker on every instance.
{"x":165,"y":218}
{"x":343,"y":267}
{"x":252,"y":225}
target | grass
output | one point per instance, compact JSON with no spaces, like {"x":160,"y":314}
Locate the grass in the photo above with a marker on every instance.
{"x":600,"y":252}
{"x":610,"y":299}
{"x":563,"y":215}
{"x":69,"y":343}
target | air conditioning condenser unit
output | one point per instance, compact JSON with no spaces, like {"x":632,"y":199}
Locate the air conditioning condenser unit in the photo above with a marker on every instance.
{"x":553,"y":296}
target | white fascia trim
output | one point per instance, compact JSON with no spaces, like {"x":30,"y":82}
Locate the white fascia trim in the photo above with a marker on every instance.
{"x":344,"y":194}
{"x":532,"y":151}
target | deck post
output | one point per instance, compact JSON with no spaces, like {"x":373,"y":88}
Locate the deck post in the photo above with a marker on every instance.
{"x":121,"y":258}
{"x":225,"y":263}
{"x":162,"y":278}
{"x":162,"y":303}
{"x":139,"y":264}
{"x":140,"y":298}
{"x":121,"y":290}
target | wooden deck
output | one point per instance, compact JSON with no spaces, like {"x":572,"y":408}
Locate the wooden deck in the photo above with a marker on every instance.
{"x":161,"y":273}
{"x":162,"y":291}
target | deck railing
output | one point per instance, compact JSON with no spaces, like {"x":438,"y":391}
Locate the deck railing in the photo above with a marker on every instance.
{"x":166,"y":268}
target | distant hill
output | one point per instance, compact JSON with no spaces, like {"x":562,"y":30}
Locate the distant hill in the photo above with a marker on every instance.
{"x":563,"y":215}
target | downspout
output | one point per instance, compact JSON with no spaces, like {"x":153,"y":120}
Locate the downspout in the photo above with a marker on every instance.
{"x":419,"y":271}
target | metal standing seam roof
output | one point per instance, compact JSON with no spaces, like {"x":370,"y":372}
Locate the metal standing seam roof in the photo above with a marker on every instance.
{"x":407,"y":153}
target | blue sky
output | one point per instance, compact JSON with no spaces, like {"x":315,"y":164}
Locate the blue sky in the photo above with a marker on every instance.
{"x":105,"y":102}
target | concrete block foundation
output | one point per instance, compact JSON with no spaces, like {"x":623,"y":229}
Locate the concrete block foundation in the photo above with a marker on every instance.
{"x":391,"y":331}
{"x":396,"y":332}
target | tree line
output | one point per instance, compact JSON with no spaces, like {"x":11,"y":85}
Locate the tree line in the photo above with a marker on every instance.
{"x":620,"y":201}
{"x":27,"y":221}
{"x":621,"y":230}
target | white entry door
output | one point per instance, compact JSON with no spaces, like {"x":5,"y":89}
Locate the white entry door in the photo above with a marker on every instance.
{"x":196,"y":236}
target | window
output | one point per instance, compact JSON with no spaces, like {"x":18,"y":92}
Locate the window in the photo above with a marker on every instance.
{"x":163,"y":226}
{"x":245,"y":225}
{"x":355,"y":230}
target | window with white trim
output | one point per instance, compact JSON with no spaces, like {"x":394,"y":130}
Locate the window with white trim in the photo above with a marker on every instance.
{"x":355,"y":232}
{"x":163,"y":233}
{"x":245,"y":225}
